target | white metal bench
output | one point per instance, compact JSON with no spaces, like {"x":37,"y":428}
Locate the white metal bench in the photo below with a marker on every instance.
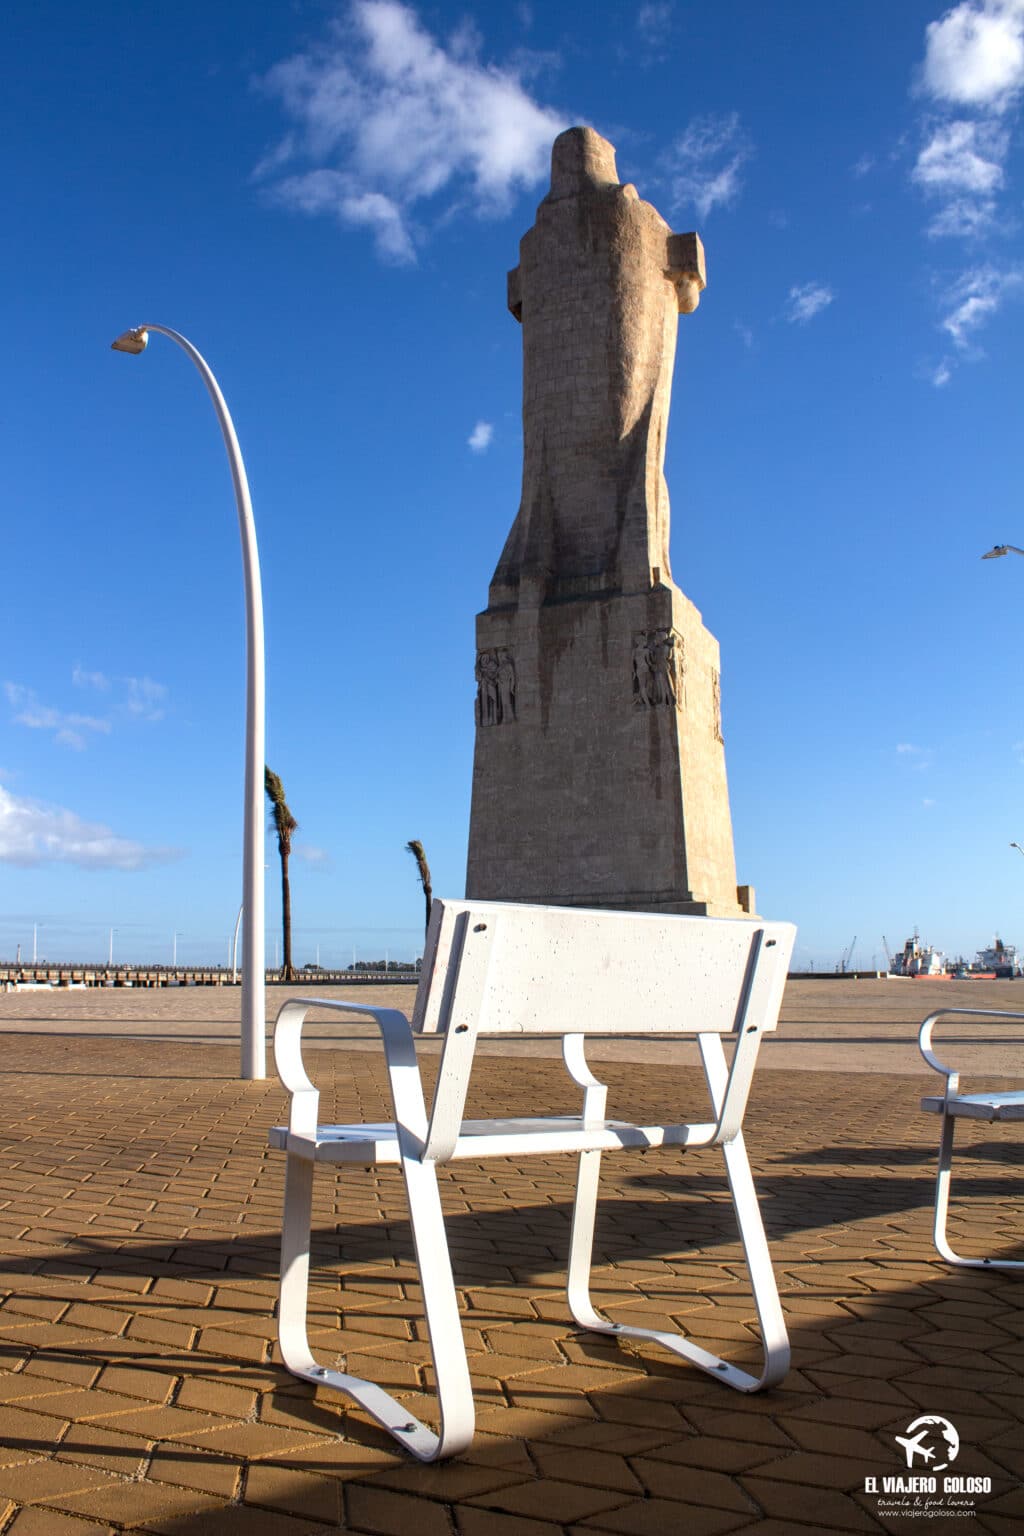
{"x":953,"y":1105}
{"x":491,"y":968}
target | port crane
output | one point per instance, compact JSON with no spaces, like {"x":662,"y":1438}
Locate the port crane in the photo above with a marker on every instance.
{"x":847,"y":955}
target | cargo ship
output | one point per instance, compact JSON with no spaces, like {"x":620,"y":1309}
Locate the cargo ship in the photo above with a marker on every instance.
{"x":998,"y":961}
{"x":917,"y":959}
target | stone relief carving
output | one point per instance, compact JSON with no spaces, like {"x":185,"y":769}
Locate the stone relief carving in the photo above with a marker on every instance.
{"x":716,"y":705}
{"x":657,"y":668}
{"x":495,"y":687}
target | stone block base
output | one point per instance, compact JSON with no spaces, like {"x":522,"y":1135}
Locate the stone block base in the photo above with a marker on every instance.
{"x":599,"y":772}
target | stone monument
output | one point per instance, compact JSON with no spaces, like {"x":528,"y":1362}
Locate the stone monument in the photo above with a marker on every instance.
{"x":599,"y":772}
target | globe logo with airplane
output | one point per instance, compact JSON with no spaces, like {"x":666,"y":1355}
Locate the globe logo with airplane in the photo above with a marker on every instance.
{"x":930,"y":1443}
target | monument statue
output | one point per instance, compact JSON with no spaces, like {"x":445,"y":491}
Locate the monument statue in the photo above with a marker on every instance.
{"x":599,"y":773}
{"x":599,"y":285}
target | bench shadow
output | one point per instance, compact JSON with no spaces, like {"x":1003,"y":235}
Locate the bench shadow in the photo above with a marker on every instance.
{"x":1007,"y":1152}
{"x":656,"y":1410}
{"x":662,"y":1215}
{"x":654,"y":1419}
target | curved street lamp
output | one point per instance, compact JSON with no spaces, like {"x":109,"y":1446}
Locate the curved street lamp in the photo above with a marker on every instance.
{"x":254,"y":1022}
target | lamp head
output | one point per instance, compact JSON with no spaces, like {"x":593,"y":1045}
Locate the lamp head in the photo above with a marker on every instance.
{"x":133,"y":341}
{"x":993,"y":554}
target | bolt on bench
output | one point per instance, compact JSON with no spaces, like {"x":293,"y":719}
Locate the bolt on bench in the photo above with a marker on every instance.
{"x":491,"y":968}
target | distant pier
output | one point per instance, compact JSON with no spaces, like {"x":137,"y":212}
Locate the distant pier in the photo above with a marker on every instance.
{"x":14,"y":977}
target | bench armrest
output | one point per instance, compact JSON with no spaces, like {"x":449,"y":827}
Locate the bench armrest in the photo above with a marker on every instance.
{"x":400,"y":1057}
{"x":924,"y":1039}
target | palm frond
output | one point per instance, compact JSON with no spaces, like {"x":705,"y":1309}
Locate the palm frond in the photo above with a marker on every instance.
{"x":415,"y":847}
{"x":284,"y":822}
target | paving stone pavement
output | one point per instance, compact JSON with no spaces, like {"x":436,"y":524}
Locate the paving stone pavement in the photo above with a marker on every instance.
{"x":837,"y":1024}
{"x":140,"y":1387}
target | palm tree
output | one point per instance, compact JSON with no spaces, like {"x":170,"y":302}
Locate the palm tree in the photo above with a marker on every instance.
{"x":284,"y":825}
{"x":415,"y":847}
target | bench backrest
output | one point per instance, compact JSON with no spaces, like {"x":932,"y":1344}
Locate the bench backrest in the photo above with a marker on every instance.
{"x":496,"y":967}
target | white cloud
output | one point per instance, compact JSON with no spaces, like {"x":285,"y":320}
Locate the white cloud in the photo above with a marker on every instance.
{"x":964,"y":218}
{"x":653,"y":20}
{"x":145,"y":698}
{"x":84,"y":679}
{"x":976,"y":298}
{"x":807,"y":300}
{"x":70,"y":730}
{"x":704,"y":164}
{"x":974,"y":54}
{"x":961,"y":168}
{"x":319,"y":858}
{"x":325,"y":191}
{"x":480,"y":437}
{"x":33,"y":833}
{"x":918,"y":758}
{"x":973,"y":73}
{"x":962,"y":157}
{"x":968,"y":316}
{"x":388,"y":119}
{"x":138,"y":697}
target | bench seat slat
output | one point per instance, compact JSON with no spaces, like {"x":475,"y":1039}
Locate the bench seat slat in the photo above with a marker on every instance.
{"x":978,"y":1106}
{"x":365,"y":1143}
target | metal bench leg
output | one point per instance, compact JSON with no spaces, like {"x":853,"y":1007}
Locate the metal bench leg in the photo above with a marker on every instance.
{"x":441,"y":1311}
{"x":774,"y":1338}
{"x":755,"y":1246}
{"x":942,"y":1184}
{"x":581,"y":1246}
{"x":447,"y":1345}
{"x":295,"y":1238}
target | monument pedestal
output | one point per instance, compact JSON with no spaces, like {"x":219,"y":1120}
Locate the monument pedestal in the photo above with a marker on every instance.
{"x":599,"y":775}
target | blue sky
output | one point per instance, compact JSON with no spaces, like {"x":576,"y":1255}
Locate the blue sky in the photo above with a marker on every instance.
{"x":326,"y":199}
